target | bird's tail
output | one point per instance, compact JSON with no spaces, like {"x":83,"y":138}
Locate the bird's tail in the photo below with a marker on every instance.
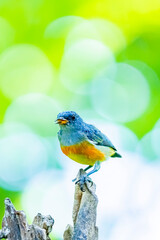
{"x":116,"y":155}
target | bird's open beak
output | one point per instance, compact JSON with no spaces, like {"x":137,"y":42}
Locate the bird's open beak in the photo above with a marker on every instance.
{"x":61,"y":121}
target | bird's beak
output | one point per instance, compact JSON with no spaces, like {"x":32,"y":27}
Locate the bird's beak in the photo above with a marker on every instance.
{"x":61,"y":121}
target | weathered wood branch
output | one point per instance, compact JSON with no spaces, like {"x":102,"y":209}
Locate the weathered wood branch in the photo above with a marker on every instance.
{"x":84,"y":213}
{"x":15,"y":226}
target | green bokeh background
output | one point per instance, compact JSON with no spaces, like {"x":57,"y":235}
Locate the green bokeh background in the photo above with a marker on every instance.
{"x":39,"y":34}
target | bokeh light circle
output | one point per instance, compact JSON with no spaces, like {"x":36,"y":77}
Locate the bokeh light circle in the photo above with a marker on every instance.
{"x":19,"y":160}
{"x":145,"y":147}
{"x":121,"y":94}
{"x":11,"y":128}
{"x":98,"y":29}
{"x":37,"y":111}
{"x":24,"y":68}
{"x":60,"y":27}
{"x":82,"y":30}
{"x":149,"y":144}
{"x":110,"y":34}
{"x":82,"y":61}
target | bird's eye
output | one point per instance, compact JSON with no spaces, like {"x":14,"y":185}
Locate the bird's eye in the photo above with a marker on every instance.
{"x":73,"y":117}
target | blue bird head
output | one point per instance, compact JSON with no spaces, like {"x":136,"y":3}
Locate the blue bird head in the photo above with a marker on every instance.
{"x":69,"y":119}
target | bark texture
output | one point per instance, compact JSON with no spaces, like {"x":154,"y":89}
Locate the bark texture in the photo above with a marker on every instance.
{"x":84,"y":213}
{"x":15,"y":226}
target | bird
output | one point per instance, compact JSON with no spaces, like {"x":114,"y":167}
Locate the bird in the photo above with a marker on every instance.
{"x":83,"y":143}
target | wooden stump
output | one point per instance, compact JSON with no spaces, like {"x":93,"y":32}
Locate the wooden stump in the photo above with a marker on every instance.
{"x":15,"y":226}
{"x":84,"y":213}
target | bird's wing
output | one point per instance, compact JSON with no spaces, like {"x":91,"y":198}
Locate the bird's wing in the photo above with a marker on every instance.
{"x":97,"y":137}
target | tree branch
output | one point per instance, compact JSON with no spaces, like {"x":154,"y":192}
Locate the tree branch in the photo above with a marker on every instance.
{"x":84,"y":213}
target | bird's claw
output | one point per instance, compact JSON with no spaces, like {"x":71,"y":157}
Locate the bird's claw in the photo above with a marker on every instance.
{"x":82,"y":180}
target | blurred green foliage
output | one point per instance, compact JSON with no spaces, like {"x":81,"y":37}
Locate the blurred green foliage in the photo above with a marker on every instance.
{"x":53,"y":54}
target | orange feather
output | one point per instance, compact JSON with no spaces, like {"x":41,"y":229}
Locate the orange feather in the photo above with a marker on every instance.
{"x":84,"y":153}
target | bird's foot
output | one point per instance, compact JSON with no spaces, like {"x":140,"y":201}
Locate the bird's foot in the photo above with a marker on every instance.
{"x":82,"y":180}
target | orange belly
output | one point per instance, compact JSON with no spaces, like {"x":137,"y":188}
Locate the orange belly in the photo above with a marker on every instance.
{"x":84,"y":153}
